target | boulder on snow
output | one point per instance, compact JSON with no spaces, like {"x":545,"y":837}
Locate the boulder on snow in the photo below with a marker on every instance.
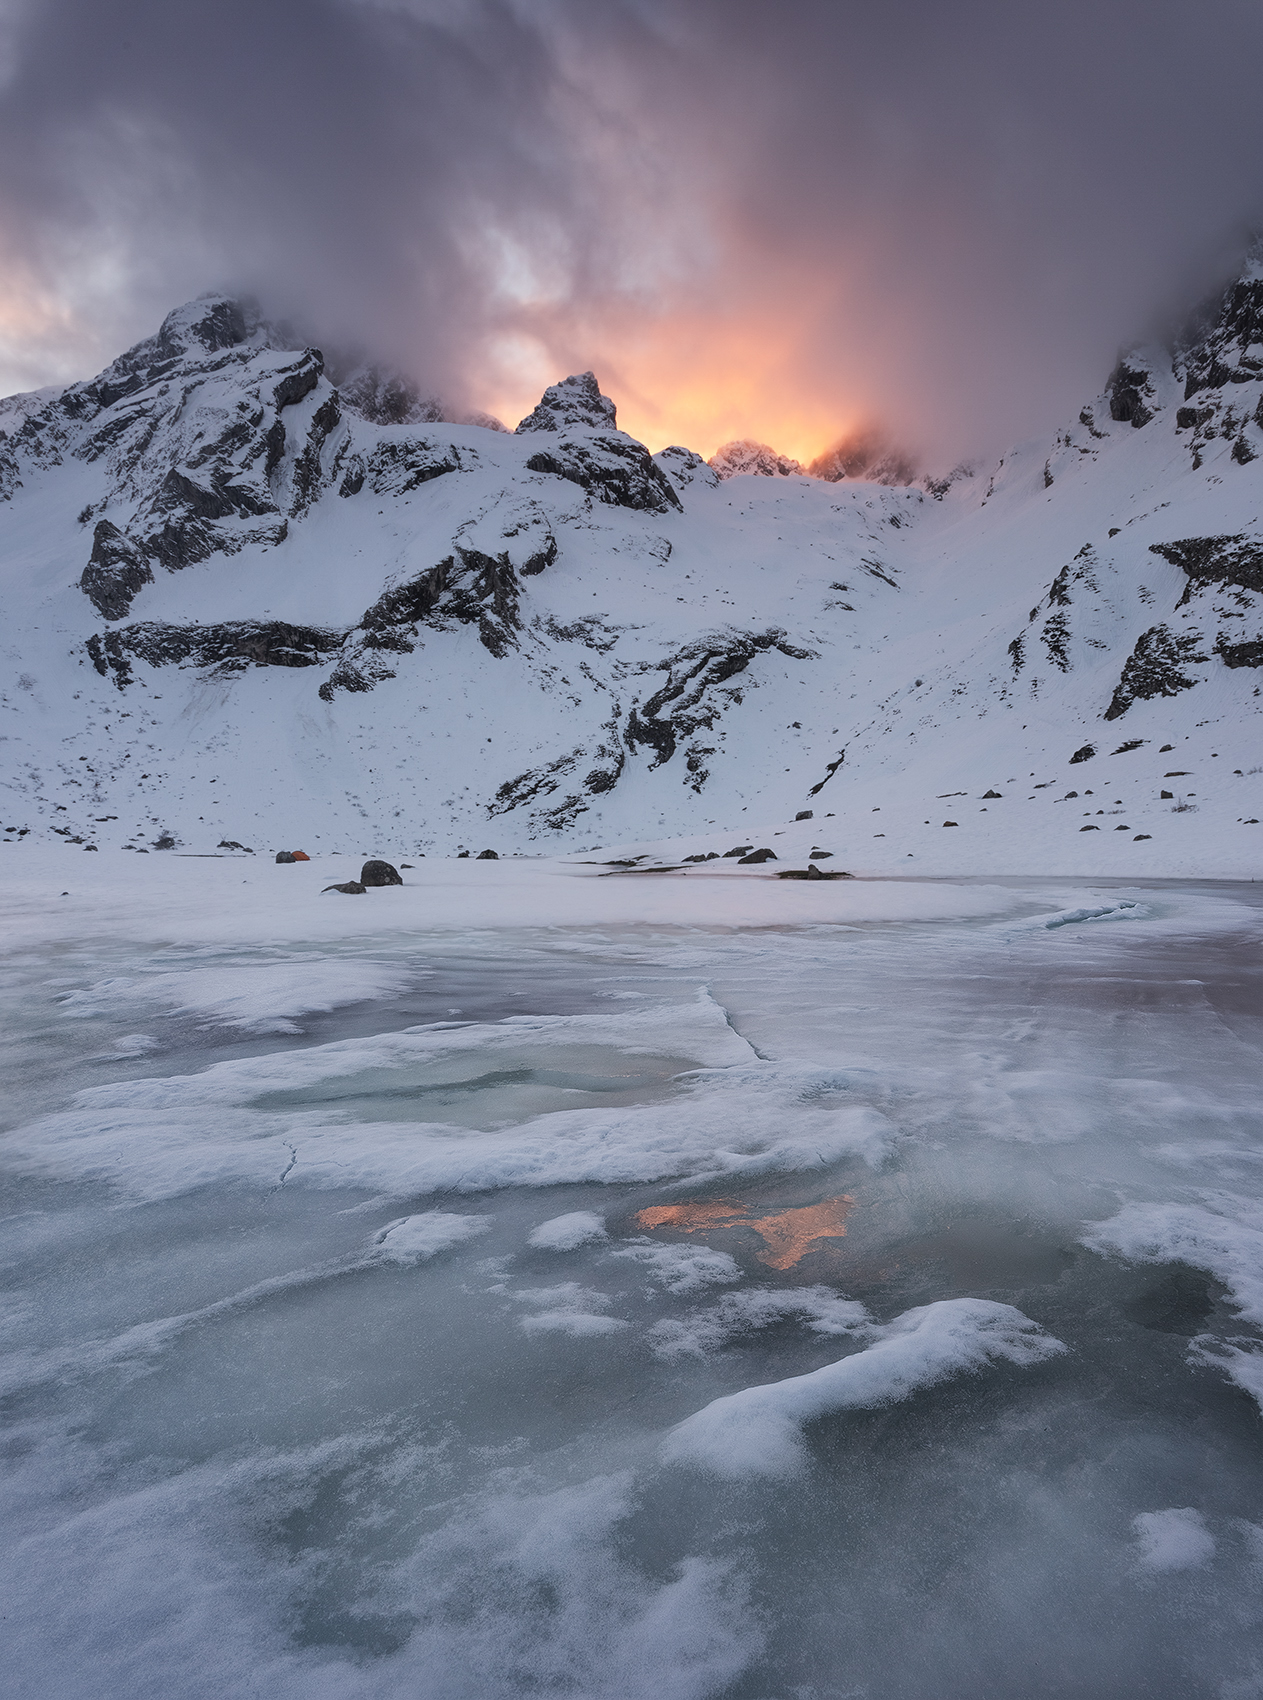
{"x":805,"y":814}
{"x":380,"y":873}
{"x":487,"y":856}
{"x":812,"y":872}
{"x":738,"y":850}
{"x":350,"y":888}
{"x":764,"y":855}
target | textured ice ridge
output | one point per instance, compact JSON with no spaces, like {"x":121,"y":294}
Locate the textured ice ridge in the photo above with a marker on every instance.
{"x":757,"y":1431}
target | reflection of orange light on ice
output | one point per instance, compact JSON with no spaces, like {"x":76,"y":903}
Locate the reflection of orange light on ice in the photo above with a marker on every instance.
{"x":691,"y":1218}
{"x":788,"y":1235}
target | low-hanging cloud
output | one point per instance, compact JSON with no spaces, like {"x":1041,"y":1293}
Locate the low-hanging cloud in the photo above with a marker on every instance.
{"x":783,"y":222}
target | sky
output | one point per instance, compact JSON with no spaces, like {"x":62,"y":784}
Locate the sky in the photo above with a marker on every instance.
{"x":782,"y":222}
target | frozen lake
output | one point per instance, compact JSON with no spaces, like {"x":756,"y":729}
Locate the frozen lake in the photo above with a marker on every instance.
{"x":865,"y":1309}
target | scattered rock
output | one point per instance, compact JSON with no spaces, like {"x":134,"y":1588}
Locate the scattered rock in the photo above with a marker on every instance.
{"x":1085,"y":753}
{"x":285,"y":855}
{"x":805,"y":814}
{"x":231,"y":844}
{"x":739,"y":850}
{"x":487,"y":856}
{"x":812,"y":872}
{"x":1167,"y":796}
{"x":380,"y":873}
{"x":166,"y":842}
{"x":1141,"y":835}
{"x":822,"y":855}
{"x":951,"y":823}
{"x":987,"y":794}
{"x":709,"y":856}
{"x":763,"y":855}
{"x":1089,"y":829}
{"x":352,"y":888}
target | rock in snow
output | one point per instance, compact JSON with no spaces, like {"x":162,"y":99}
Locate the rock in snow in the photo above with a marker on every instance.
{"x":379,"y":873}
{"x":243,"y":597}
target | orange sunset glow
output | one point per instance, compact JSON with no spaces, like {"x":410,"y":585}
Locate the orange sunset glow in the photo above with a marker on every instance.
{"x":787,"y":1235}
{"x":688,"y":378}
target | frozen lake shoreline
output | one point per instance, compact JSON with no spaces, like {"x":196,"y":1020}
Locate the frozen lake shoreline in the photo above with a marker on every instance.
{"x":530,"y":1280}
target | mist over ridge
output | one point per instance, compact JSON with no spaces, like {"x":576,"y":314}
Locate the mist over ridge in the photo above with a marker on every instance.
{"x":750,"y":226}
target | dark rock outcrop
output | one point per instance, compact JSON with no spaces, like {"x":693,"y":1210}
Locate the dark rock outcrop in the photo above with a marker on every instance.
{"x":376,"y":873}
{"x":1130,"y":391}
{"x":576,"y":402}
{"x":691,"y":699}
{"x":1235,"y":559}
{"x":614,"y":470}
{"x":231,"y":646}
{"x":1155,"y":668}
{"x":468,"y":588}
{"x":114,"y":573}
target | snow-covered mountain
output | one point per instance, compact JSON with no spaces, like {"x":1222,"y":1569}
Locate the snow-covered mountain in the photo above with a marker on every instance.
{"x":244,"y":603}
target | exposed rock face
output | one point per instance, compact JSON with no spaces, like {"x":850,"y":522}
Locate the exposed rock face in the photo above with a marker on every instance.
{"x":401,"y":465}
{"x":745,"y":455}
{"x":1224,"y":344}
{"x":612,"y":469}
{"x":1215,"y":560}
{"x":388,"y":398}
{"x":866,"y":454}
{"x":232,"y":646}
{"x":590,"y":451}
{"x":683,"y":468}
{"x":114,"y":573}
{"x":191,"y":429}
{"x":692,"y":699}
{"x":576,"y":402}
{"x":1130,"y":391}
{"x":1155,"y":668}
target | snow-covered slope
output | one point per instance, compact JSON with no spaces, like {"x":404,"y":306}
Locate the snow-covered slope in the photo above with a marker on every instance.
{"x":244,"y":605}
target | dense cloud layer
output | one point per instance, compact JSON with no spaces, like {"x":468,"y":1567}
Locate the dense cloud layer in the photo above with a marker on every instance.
{"x":750,"y":220}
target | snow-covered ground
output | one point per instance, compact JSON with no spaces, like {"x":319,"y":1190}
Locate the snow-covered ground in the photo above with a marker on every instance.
{"x":544,"y":1277}
{"x":239,"y":609}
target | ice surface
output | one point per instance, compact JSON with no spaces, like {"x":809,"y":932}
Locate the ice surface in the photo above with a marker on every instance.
{"x":1173,"y":1540}
{"x":298,"y":1401}
{"x":755,"y":1432}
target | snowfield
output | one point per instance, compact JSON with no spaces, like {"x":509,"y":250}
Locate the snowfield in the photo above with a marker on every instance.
{"x":609,"y":1269}
{"x":246,"y":606}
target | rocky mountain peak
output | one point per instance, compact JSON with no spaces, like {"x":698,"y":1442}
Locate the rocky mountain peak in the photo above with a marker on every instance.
{"x":576,"y":402}
{"x":388,"y":398}
{"x":745,"y":455}
{"x":864,"y":454}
